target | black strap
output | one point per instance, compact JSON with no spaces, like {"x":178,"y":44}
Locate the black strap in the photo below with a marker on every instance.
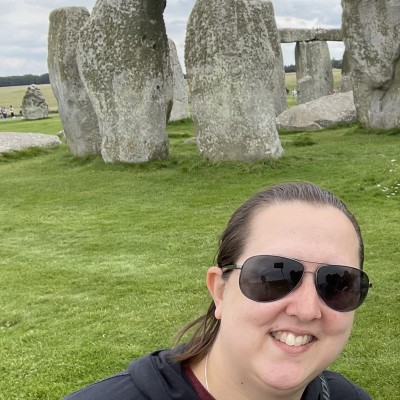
{"x":324,"y":388}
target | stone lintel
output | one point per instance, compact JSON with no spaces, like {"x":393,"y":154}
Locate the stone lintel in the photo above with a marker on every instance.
{"x":292,"y":35}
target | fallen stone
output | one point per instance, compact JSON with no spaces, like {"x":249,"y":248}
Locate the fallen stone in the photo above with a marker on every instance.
{"x":11,"y":141}
{"x":327,"y":111}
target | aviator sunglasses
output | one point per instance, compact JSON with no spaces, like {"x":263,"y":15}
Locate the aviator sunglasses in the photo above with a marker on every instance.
{"x":267,"y":278}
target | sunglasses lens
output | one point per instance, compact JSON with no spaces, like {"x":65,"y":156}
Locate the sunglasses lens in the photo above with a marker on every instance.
{"x":269,"y":278}
{"x":342,"y":288}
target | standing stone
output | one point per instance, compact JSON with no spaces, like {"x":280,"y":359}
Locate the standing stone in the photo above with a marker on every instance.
{"x":313,"y":71}
{"x":76,"y":112}
{"x":345,"y":83}
{"x":124,"y":62}
{"x":180,"y":108}
{"x":278,"y":77}
{"x":371,"y":32}
{"x":230,"y":60}
{"x":34,"y":104}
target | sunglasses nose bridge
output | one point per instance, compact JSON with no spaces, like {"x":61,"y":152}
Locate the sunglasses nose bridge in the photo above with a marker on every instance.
{"x":306,"y":301}
{"x":310,"y":272}
{"x":314,"y":278}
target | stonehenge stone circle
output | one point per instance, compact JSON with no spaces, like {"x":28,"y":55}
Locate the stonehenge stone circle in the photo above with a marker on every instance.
{"x":76,"y":112}
{"x":123,"y":60}
{"x":371,"y":33}
{"x":34,"y":104}
{"x":230,"y":57}
{"x":313,"y":71}
{"x":180,"y":107}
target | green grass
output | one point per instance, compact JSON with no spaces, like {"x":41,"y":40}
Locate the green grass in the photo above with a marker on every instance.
{"x":51,"y":125}
{"x":101,"y":263}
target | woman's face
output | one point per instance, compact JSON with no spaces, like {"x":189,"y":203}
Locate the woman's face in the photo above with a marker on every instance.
{"x":247,"y":350}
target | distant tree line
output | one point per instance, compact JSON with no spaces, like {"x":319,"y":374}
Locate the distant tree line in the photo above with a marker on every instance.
{"x":24,"y":80}
{"x":335,"y":64}
{"x":290,"y":68}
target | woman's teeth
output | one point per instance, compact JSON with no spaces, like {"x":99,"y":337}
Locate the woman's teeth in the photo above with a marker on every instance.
{"x":290,"y":339}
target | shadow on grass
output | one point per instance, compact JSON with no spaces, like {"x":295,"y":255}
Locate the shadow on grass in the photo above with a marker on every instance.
{"x":358,"y":129}
{"x":300,"y":141}
{"x":23,"y":154}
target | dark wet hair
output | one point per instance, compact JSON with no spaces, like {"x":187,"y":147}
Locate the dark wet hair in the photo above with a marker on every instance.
{"x":233,"y":241}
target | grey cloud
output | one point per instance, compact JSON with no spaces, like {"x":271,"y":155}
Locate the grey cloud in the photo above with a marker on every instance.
{"x":24,"y":27}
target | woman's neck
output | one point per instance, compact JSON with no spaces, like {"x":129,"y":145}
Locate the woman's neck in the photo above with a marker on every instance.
{"x":221,"y":384}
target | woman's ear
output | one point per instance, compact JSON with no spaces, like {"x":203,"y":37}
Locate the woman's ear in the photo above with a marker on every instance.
{"x":216,"y":286}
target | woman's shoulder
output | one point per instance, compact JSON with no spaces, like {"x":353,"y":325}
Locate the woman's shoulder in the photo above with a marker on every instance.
{"x":154,"y":376}
{"x":342,"y":388}
{"x":116,"y":387}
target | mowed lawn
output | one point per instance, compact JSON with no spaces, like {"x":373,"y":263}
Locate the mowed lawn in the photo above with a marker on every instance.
{"x":101,"y":264}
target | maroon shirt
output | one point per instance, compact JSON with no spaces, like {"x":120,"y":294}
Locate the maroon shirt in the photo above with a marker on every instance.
{"x":198,"y":387}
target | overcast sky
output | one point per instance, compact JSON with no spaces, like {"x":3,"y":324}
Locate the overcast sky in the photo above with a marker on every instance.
{"x":24,"y":27}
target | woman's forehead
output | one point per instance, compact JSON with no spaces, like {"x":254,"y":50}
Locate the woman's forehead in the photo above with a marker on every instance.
{"x":298,"y":229}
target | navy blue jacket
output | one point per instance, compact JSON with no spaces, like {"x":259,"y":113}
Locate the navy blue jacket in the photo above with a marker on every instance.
{"x":157,"y":377}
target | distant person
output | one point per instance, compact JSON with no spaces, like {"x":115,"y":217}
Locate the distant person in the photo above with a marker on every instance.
{"x":287,"y":281}
{"x":12,"y":112}
{"x":3,"y":112}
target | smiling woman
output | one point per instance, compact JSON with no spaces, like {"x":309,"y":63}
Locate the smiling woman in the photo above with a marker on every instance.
{"x":276,"y":322}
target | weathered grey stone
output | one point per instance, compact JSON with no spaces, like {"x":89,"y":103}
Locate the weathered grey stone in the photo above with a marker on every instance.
{"x":327,"y":111}
{"x":328,"y":35}
{"x":371,"y":32}
{"x":230,"y":61}
{"x":123,"y":60}
{"x":12,"y":141}
{"x":34,"y":104}
{"x":292,"y":35}
{"x":346,"y":64}
{"x":313,"y":71}
{"x":180,"y":108}
{"x":278,"y":78}
{"x":345,"y":83}
{"x":76,"y":112}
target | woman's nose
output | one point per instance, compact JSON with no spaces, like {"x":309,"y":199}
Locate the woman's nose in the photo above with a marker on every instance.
{"x":304,"y":302}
